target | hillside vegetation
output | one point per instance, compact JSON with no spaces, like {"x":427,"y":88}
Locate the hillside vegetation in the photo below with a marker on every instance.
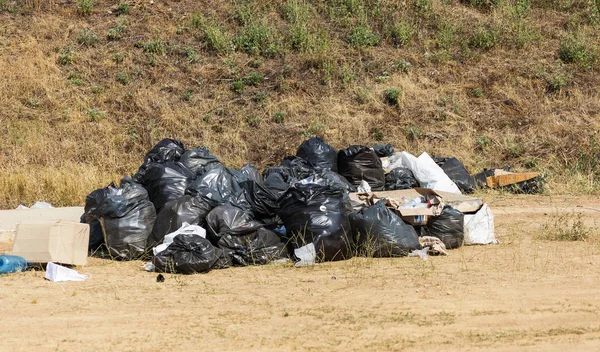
{"x":88,"y":86}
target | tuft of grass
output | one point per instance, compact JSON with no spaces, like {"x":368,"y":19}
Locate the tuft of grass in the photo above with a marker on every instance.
{"x":566,"y":227}
{"x":237,"y":86}
{"x":362,"y":36}
{"x":97,"y":89}
{"x":74,"y":79}
{"x":214,"y":37}
{"x":96,"y":115}
{"x":557,"y":83}
{"x":118,"y":58}
{"x":187,"y":95}
{"x":412,"y":133}
{"x":33,"y":103}
{"x":391,"y":95}
{"x":402,"y":66}
{"x":484,"y":38}
{"x":484,"y":5}
{"x":483,"y":141}
{"x":157,"y":47}
{"x":279,"y":117}
{"x":261,"y":98}
{"x":123,"y":78}
{"x":378,"y":134}
{"x":85,"y":7}
{"x":87,"y":37}
{"x":253,"y":121}
{"x":122,"y":9}
{"x":67,"y":56}
{"x":402,"y":34}
{"x":577,"y":51}
{"x":258,"y":39}
{"x":253,"y":79}
{"x":476,"y":93}
{"x":117,"y":32}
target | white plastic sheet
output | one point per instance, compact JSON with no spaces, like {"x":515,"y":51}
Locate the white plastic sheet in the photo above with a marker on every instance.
{"x":479,"y":228}
{"x":59,"y":273}
{"x":426,"y":171}
{"x":184,"y":229}
{"x":307,"y":255}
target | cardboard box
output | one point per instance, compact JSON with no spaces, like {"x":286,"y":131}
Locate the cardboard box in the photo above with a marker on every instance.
{"x":57,"y":241}
{"x":419,"y":216}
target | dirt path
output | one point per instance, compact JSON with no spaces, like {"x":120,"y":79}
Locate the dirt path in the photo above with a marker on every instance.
{"x":520,"y":295}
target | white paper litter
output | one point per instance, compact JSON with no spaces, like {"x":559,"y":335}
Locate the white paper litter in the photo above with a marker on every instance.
{"x":59,"y":273}
{"x":307,"y":255}
{"x":479,"y":228}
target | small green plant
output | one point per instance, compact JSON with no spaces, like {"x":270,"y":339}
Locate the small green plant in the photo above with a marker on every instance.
{"x":557,"y":83}
{"x":258,"y":39}
{"x":191,"y":55}
{"x":237,"y":86}
{"x":483,"y":38}
{"x":253,"y":121}
{"x":97,"y":89}
{"x":531,"y":163}
{"x":253,"y":79}
{"x":402,"y":34}
{"x":261,"y":98}
{"x":382,"y":79}
{"x":67,"y":56}
{"x":485,"y":5}
{"x":122,"y":77}
{"x":422,"y":8}
{"x":33,"y":103}
{"x":378,"y":134}
{"x":117,"y":32}
{"x":85,"y":7}
{"x":217,"y":39}
{"x":391,"y":95}
{"x":314,"y":129}
{"x":575,"y":50}
{"x":444,"y":37}
{"x":255,"y":63}
{"x":157,"y":47}
{"x":187,"y":95}
{"x":122,"y":9}
{"x":206,"y":118}
{"x":515,"y":149}
{"x":401,"y":66}
{"x":361,"y":95}
{"x":279,"y":117}
{"x":74,"y":79}
{"x":362,"y":36}
{"x":522,"y":8}
{"x":476,"y":93}
{"x":180,"y":29}
{"x":87,"y":37}
{"x":566,"y":227}
{"x":482,"y":141}
{"x":118,"y":58}
{"x":96,"y":115}
{"x":412,"y":133}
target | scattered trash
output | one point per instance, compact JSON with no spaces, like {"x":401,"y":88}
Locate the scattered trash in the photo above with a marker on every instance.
{"x":479,"y":227}
{"x":21,"y":206}
{"x":166,"y":181}
{"x":435,"y":245}
{"x":364,"y":187}
{"x":160,"y":278}
{"x":199,"y":160}
{"x":307,"y":255}
{"x":421,"y":253}
{"x":528,"y":183}
{"x":41,"y":205}
{"x":12,"y":264}
{"x":59,"y":273}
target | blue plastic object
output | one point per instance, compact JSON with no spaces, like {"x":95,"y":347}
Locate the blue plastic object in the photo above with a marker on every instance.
{"x":12,"y":264}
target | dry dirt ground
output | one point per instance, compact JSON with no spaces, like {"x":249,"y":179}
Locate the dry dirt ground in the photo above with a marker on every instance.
{"x":521,"y":295}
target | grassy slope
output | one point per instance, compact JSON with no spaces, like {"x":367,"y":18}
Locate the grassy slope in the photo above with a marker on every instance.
{"x":515,"y":83}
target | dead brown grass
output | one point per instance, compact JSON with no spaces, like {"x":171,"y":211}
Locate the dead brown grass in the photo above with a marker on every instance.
{"x":62,"y":140}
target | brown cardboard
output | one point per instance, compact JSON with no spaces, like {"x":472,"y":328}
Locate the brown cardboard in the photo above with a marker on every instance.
{"x":57,"y":241}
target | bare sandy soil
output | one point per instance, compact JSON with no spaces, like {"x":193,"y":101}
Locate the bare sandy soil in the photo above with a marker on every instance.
{"x":521,"y":295}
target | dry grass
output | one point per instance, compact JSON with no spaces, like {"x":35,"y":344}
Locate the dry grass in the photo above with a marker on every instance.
{"x":98,"y":129}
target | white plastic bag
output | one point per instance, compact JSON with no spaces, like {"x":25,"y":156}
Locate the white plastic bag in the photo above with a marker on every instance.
{"x":58,"y":273}
{"x":364,"y":187}
{"x":184,"y":229}
{"x":307,"y":255}
{"x":479,"y":228}
{"x":41,"y":205}
{"x":426,"y":171}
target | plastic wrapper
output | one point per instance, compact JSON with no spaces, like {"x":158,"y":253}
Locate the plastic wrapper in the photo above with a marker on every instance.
{"x":448,"y":227}
{"x":378,"y":232}
{"x":189,"y":254}
{"x":400,"y":178}
{"x":318,"y":154}
{"x":358,"y":163}
{"x":126,"y":218}
{"x":316,"y":213}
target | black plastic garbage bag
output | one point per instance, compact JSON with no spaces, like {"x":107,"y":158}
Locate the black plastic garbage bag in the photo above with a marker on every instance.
{"x":192,"y":210}
{"x":400,"y":178}
{"x":166,"y":181}
{"x":259,"y":199}
{"x":337,"y":179}
{"x":96,"y":235}
{"x":218,"y":183}
{"x":300,"y":167}
{"x":316,"y":213}
{"x":378,"y":232}
{"x":199,"y":160}
{"x":229,"y":220}
{"x":251,"y":173}
{"x":126,"y":217}
{"x":287,"y":174}
{"x":318,"y":154}
{"x":256,"y":248}
{"x":358,"y":163}
{"x":188,"y":254}
{"x":276,"y":184}
{"x":448,"y":227}
{"x":457,"y":173}
{"x":165,"y":150}
{"x":383,"y":150}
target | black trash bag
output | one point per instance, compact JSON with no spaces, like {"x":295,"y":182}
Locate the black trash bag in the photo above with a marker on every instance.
{"x":188,"y":254}
{"x":316,"y":213}
{"x":337,"y":179}
{"x":358,"y":163}
{"x":96,"y":235}
{"x":256,"y":248}
{"x":532,"y":186}
{"x":229,"y":220}
{"x":457,"y":173}
{"x":378,"y":232}
{"x":448,"y":227}
{"x":199,"y":160}
{"x":126,"y":217}
{"x":166,"y":181}
{"x":218,"y":183}
{"x":318,"y":154}
{"x":287,"y":174}
{"x":400,"y":178}
{"x":276,"y":184}
{"x":259,"y":199}
{"x":383,"y":150}
{"x":165,"y":150}
{"x":192,"y":210}
{"x":300,"y":168}
{"x":251,"y":173}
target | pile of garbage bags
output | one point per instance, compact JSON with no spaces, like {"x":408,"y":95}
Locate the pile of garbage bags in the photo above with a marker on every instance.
{"x":247,"y":217}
